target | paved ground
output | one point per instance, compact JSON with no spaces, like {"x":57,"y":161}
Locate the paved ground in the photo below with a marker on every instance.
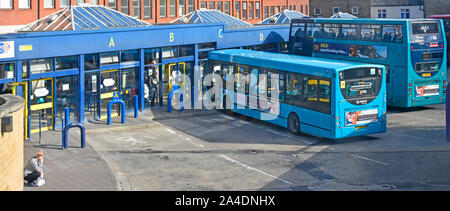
{"x":217,"y":151}
{"x":228,"y":152}
{"x":73,"y":169}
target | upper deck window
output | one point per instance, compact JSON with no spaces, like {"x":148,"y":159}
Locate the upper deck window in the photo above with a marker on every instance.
{"x":371,"y":32}
{"x":298,"y":30}
{"x":330,"y":31}
{"x":350,"y":32}
{"x":392,"y":33}
{"x":313,"y":30}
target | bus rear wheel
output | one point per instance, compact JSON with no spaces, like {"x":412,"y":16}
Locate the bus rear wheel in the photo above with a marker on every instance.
{"x":294,"y":124}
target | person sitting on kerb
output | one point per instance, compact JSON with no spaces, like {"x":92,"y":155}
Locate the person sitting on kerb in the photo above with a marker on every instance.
{"x":34,"y":174}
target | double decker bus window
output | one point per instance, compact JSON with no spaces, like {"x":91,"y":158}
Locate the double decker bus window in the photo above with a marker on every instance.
{"x":392,"y":33}
{"x":298,"y":30}
{"x":331,"y":31}
{"x":371,"y":32}
{"x":350,"y":32}
{"x":313,"y":30}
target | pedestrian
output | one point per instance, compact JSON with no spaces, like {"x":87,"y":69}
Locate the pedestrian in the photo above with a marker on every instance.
{"x":34,"y":174}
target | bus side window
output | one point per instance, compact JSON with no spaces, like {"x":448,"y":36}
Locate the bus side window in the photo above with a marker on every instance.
{"x":298,"y":30}
{"x":226,"y":71}
{"x":350,"y":32}
{"x":294,"y":89}
{"x":324,"y":95}
{"x":281,"y":86}
{"x":392,"y":33}
{"x":311,"y":90}
{"x":398,"y":37}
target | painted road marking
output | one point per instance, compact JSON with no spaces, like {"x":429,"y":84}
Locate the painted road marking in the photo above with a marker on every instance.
{"x":372,"y":160}
{"x":190,"y":141}
{"x":170,"y":131}
{"x":401,"y":134}
{"x":228,"y":117}
{"x":130,"y":139}
{"x":417,"y":117}
{"x":288,"y":136}
{"x":254,"y":169}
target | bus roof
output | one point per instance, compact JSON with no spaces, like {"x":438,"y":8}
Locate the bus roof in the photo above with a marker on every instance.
{"x":361,"y":20}
{"x":285,"y":62}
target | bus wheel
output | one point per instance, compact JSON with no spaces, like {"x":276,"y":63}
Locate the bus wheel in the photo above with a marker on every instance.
{"x":294,"y":124}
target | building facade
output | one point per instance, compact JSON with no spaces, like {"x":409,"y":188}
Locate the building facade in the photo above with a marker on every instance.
{"x":328,"y":8}
{"x":397,"y":9}
{"x":20,"y":12}
{"x":73,"y":61}
{"x":436,"y":7}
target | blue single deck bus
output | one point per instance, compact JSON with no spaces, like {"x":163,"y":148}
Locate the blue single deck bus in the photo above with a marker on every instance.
{"x":321,"y":97}
{"x":413,"y":52}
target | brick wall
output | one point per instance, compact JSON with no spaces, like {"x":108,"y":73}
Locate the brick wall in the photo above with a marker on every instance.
{"x":11,"y":146}
{"x":17,"y":16}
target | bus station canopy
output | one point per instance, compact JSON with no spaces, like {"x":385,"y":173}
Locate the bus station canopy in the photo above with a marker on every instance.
{"x":212,"y":16}
{"x":284,"y":17}
{"x":343,"y":15}
{"x":83,"y":17}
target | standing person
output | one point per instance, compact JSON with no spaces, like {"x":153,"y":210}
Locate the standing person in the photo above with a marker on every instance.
{"x":153,"y":84}
{"x":33,"y":170}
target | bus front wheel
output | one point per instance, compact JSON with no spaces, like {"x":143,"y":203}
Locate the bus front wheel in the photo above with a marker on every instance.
{"x":294,"y":124}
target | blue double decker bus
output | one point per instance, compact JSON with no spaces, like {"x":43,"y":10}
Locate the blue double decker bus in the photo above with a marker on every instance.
{"x":413,"y":52}
{"x":321,"y":97}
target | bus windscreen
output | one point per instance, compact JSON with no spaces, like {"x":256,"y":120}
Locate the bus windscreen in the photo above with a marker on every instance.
{"x":425,"y":28}
{"x":360,"y":86}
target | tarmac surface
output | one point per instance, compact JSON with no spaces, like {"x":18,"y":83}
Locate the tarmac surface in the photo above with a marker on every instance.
{"x":209,"y":150}
{"x":198,"y":150}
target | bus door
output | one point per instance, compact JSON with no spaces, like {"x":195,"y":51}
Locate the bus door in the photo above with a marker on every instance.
{"x":109,"y":84}
{"x":41,"y":106}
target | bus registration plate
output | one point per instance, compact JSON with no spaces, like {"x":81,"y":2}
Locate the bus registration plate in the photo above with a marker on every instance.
{"x":361,"y":127}
{"x":426,"y":75}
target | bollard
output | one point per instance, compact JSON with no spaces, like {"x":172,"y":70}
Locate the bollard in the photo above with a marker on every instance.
{"x":175,"y":88}
{"x":66,"y":135}
{"x":40,"y":126}
{"x":122,"y":108}
{"x":136,"y":102}
{"x":66,"y":116}
{"x":447,"y":115}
